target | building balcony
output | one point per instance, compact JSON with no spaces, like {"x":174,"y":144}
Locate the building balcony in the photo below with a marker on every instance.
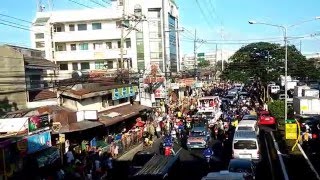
{"x":90,"y":35}
{"x":92,"y":55}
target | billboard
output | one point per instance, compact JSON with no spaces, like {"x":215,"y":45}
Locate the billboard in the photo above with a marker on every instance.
{"x":38,"y":142}
{"x":38,"y":123}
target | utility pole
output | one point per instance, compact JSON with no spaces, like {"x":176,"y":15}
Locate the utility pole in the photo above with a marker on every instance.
{"x":222,"y":61}
{"x":122,"y":34}
{"x":300,"y":44}
{"x":164,"y":39}
{"x":195,"y":52}
{"x":216,"y":55}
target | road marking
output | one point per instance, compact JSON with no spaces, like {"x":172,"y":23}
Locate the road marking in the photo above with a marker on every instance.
{"x":283,"y":167}
{"x":177,"y":153}
{"x":308,"y":161}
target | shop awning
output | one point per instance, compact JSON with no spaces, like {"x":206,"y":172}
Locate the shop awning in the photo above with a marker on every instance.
{"x":121,"y":113}
{"x":78,"y":126}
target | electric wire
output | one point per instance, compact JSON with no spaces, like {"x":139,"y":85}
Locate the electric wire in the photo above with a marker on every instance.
{"x":80,"y":4}
{"x":97,"y":3}
{"x":203,"y":14}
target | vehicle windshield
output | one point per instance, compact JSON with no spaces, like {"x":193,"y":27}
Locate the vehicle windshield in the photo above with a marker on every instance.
{"x":197,"y":133}
{"x":249,"y":118}
{"x":245,"y":144}
{"x":244,"y":128}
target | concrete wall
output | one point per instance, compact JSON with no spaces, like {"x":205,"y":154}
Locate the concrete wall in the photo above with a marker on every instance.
{"x":89,"y":104}
{"x":12,"y":77}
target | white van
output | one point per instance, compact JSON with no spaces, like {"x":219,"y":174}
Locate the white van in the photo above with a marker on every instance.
{"x":245,"y":145}
{"x":224,"y":175}
{"x":248,"y":125}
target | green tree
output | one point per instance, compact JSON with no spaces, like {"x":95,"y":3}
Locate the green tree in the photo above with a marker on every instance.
{"x":265,"y":61}
{"x":276,"y":108}
{"x":203,"y":64}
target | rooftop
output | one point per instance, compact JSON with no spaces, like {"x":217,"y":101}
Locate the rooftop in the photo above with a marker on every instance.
{"x":92,"y":90}
{"x":77,"y":15}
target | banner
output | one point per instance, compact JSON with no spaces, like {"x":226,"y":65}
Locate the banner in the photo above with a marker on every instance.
{"x":38,"y":142}
{"x":115,"y":94}
{"x":124,"y":92}
{"x":38,"y":123}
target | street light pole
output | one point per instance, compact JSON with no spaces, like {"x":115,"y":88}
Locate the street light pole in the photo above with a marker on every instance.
{"x":285,"y":73}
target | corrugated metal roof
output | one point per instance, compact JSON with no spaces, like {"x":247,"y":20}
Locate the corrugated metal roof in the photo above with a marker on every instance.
{"x":45,"y":94}
{"x":33,"y":62}
{"x":125,"y":112}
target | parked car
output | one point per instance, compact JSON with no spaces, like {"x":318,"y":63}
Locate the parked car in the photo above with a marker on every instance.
{"x":243,"y":166}
{"x":266,"y":119}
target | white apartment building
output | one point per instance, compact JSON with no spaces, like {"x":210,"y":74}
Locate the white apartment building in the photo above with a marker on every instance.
{"x":90,"y":39}
{"x":188,"y":60}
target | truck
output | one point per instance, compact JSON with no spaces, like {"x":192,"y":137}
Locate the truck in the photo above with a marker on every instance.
{"x":306,"y":105}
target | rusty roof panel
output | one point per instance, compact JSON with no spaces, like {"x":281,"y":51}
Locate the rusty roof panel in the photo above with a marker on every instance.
{"x":125,"y":112}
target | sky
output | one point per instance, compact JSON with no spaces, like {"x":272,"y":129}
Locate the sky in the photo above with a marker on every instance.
{"x":219,"y":23}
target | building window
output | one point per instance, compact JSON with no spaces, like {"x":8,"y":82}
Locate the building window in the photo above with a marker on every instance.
{"x":83,"y":46}
{"x":128,"y":43}
{"x":97,"y":46}
{"x":73,"y":47}
{"x":120,"y":2}
{"x":154,"y":13}
{"x":99,"y":65}
{"x":85,"y":65}
{"x":60,"y":47}
{"x":82,"y":27}
{"x":75,"y":66}
{"x":64,"y":66}
{"x":110,"y":64}
{"x":40,"y":44}
{"x":59,"y":28}
{"x":39,"y":35}
{"x":109,"y":45}
{"x":137,"y":10}
{"x":118,"y":24}
{"x":96,"y":26}
{"x":141,"y":65}
{"x":139,"y":35}
{"x":71,"y":27}
{"x":119,"y":44}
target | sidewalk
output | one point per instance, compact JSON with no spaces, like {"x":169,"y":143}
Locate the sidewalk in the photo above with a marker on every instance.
{"x":129,"y":154}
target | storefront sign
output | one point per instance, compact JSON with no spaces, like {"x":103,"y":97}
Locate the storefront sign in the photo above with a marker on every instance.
{"x":149,"y":80}
{"x":38,"y":142}
{"x":38,"y":123}
{"x":124,"y":92}
{"x":174,"y":85}
{"x":13,"y":125}
{"x":115,"y":94}
{"x":48,"y":157}
{"x":159,"y":93}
